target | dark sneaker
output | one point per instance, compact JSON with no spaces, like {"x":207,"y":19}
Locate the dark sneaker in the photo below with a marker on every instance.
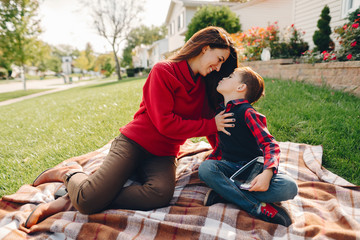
{"x":270,"y":212}
{"x":212,"y":197}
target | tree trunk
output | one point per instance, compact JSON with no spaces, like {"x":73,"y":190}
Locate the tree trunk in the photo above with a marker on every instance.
{"x":118,"y":70}
{"x":22,"y":74}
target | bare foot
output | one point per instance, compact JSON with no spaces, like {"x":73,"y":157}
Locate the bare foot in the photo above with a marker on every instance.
{"x":47,"y":209}
{"x":55,"y":174}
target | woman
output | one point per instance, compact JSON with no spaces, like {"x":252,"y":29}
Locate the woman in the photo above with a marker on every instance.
{"x":178,"y":103}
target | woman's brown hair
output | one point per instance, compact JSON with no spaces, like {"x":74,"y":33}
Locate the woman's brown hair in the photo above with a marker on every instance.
{"x":214,"y":37}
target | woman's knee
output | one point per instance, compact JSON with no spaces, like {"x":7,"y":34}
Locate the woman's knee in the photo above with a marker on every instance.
{"x":159,"y":194}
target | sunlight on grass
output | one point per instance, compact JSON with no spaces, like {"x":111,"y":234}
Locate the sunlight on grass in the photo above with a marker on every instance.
{"x":41,"y":132}
{"x":44,"y":131}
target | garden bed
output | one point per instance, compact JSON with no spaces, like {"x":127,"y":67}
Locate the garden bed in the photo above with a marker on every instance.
{"x":343,"y":76}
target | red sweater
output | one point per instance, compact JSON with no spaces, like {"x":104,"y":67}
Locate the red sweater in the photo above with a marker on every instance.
{"x":173,"y":109}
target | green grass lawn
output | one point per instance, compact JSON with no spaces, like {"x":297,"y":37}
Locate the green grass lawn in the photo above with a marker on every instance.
{"x":19,"y":93}
{"x":41,"y":132}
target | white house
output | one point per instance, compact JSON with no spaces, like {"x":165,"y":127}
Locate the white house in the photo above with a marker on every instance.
{"x":146,"y":56}
{"x":179,"y":16}
{"x":307,"y":13}
{"x":157,"y":51}
{"x":304,"y":14}
{"x":140,"y":56}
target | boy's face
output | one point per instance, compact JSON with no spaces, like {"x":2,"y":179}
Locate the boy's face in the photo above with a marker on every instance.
{"x":229,"y":84}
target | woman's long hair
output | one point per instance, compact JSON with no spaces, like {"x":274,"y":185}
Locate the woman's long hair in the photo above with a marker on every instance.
{"x":214,"y":37}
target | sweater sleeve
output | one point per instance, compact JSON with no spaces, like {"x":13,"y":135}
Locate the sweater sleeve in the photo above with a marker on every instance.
{"x":159,"y":97}
{"x":270,"y":147}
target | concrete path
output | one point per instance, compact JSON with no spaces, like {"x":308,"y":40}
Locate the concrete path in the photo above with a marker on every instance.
{"x":31,"y":84}
{"x":54,"y":85}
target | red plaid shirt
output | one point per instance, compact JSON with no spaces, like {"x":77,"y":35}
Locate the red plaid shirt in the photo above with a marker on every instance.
{"x":257,"y":125}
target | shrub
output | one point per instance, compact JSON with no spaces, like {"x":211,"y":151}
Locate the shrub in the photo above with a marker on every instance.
{"x":349,"y":38}
{"x":321,"y":37}
{"x":3,"y":73}
{"x":292,"y":46}
{"x":130,"y":72}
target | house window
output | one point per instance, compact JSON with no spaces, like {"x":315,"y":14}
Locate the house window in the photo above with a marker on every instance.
{"x":181,"y":21}
{"x":349,"y":6}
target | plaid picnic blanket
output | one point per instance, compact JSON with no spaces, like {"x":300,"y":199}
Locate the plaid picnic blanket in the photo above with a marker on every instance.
{"x":327,"y":206}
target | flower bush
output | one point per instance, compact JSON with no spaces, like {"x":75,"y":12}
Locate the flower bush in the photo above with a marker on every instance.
{"x":349,"y":39}
{"x":348,"y":36}
{"x":252,"y":42}
{"x":292,"y":45}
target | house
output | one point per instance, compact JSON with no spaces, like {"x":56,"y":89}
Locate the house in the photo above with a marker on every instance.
{"x":157,"y":51}
{"x":140,"y":56}
{"x":179,"y":16}
{"x":145,"y":56}
{"x":304,"y":14}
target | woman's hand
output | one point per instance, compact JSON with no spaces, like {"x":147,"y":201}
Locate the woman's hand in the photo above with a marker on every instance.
{"x":222,"y":121}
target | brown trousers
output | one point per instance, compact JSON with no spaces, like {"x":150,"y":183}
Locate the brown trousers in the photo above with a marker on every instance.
{"x":104,"y":189}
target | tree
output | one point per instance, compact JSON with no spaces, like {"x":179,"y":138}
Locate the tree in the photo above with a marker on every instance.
{"x":141,"y":35}
{"x":220,"y":16}
{"x":64,"y":50}
{"x":5,"y":64}
{"x":321,"y":37}
{"x":86,"y":59}
{"x":114,"y":20}
{"x":105,"y":64}
{"x":39,"y":55}
{"x":19,"y":28}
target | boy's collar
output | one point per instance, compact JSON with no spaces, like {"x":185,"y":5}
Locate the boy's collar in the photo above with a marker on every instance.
{"x":235,"y":102}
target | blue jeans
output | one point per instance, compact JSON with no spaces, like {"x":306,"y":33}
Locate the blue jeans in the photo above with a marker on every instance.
{"x":216,"y":174}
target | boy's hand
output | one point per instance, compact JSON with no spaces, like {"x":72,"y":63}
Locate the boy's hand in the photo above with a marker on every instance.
{"x":261,"y":182}
{"x":222,"y":121}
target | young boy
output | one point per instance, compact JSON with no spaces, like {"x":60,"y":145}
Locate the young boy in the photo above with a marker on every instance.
{"x":248,"y":139}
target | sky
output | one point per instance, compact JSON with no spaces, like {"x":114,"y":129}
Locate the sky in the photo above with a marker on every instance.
{"x":66,"y":22}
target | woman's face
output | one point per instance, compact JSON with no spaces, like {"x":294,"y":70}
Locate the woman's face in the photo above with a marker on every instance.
{"x":212,"y":59}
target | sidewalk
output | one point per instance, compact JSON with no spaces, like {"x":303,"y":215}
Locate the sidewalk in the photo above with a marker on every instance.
{"x":54,"y":85}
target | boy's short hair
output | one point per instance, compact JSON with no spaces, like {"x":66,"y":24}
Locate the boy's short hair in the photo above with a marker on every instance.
{"x":254,"y":82}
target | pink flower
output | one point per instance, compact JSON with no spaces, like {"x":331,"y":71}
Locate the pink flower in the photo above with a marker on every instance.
{"x":326,"y":56}
{"x":349,"y":56}
{"x":353,"y":44}
{"x":345,"y":27}
{"x":355,"y":25}
{"x":324,"y":52}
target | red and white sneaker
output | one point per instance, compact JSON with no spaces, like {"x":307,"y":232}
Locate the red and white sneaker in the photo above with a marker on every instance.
{"x":273,"y":213}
